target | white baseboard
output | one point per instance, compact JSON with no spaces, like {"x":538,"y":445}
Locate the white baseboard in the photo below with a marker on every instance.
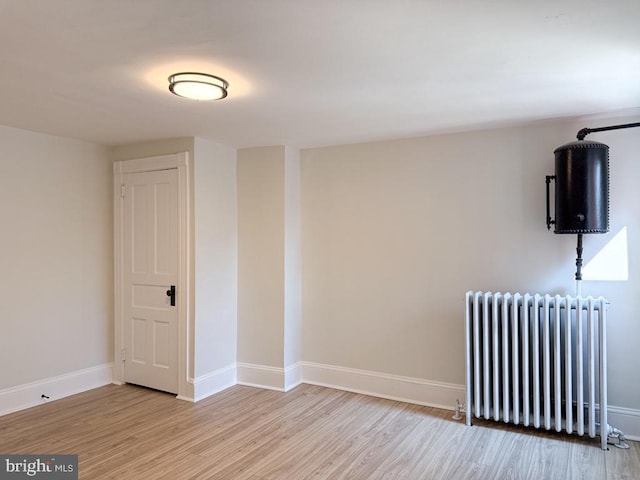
{"x":393,"y":387}
{"x":292,"y":376}
{"x":261,"y":376}
{"x":29,"y":395}
{"x":625,"y":419}
{"x":213,"y":382}
{"x":271,"y":378}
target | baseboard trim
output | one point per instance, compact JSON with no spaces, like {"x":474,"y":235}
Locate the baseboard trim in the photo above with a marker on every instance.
{"x":28,"y":395}
{"x":261,"y":376}
{"x":270,"y":378}
{"x":376,"y":384}
{"x":392,"y":387}
{"x":292,"y":376}
{"x":625,"y":419}
{"x":211,"y":383}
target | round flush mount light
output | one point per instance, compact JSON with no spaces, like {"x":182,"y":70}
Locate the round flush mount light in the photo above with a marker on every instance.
{"x":198,"y":86}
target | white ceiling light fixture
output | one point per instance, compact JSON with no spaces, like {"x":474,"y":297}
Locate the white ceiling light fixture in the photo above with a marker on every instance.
{"x":198,"y":86}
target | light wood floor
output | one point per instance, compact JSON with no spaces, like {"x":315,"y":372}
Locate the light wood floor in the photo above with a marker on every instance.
{"x":131,"y":433}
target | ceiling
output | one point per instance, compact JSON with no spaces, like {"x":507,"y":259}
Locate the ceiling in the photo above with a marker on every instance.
{"x":310,"y":73}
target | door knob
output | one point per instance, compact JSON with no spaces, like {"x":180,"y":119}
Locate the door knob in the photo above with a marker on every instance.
{"x":172,"y":294}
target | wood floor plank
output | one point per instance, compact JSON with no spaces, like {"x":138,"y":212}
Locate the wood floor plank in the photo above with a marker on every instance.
{"x":311,"y":432}
{"x":437,"y":451}
{"x":623,"y":464}
{"x":291,"y":434}
{"x":348,"y":441}
{"x":298,"y":458}
{"x":584,"y":463}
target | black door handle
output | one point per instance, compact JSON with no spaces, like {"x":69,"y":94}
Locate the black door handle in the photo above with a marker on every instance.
{"x":172,"y":294}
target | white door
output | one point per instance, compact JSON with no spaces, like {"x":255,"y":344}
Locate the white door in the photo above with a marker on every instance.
{"x":150,"y":273}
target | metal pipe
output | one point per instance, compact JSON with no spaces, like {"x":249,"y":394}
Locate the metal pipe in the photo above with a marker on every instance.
{"x":586,"y":131}
{"x":579,"y":258}
{"x":549,"y":220}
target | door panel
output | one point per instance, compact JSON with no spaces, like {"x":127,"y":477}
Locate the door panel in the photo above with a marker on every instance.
{"x":150,"y":268}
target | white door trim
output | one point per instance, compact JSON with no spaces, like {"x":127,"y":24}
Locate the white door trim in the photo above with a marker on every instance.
{"x":180,"y":161}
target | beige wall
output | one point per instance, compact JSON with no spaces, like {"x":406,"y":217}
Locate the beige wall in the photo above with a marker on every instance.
{"x":56,"y":252}
{"x":216,"y":256}
{"x":394,"y":234}
{"x":154,"y":148}
{"x":261,"y":219}
{"x":292,"y":259}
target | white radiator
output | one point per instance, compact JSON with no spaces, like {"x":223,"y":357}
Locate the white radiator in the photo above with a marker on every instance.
{"x":537,"y":360}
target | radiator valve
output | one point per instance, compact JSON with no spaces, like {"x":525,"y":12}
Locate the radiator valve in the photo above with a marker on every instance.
{"x":616,"y":437}
{"x":458,"y":409}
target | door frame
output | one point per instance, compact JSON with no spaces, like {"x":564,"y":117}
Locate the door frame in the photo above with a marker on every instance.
{"x":180,"y":162}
